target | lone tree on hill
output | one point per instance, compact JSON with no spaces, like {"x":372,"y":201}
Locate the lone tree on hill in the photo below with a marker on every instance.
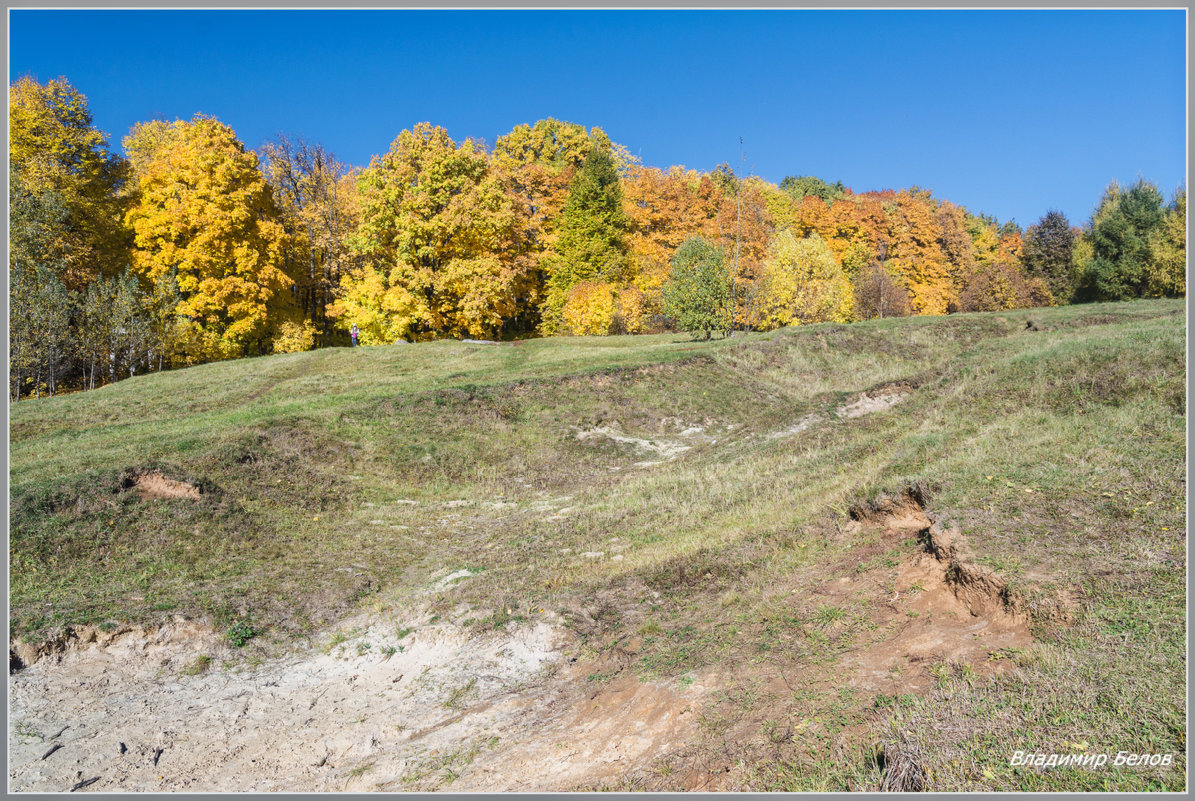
{"x":697,"y":294}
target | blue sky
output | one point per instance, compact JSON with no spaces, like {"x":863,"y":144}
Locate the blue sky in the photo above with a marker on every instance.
{"x":1007,"y":112}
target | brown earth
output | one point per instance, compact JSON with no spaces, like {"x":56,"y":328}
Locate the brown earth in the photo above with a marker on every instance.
{"x":152,"y":484}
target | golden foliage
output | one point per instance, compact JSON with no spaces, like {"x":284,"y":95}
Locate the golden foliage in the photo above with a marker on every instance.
{"x":803,"y":283}
{"x":293,"y":337}
{"x":53,"y":147}
{"x":447,"y":236}
{"x":590,"y":309}
{"x":204,"y":216}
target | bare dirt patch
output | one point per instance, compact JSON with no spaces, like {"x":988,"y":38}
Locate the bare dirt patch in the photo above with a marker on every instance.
{"x":380,"y":705}
{"x":171,"y":641}
{"x":905,"y":609}
{"x":656,"y":450}
{"x":875,"y":400}
{"x":944,"y":610}
{"x":152,"y":484}
{"x":796,"y":428}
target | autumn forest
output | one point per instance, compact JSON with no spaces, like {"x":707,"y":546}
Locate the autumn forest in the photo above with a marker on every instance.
{"x":190,"y":247}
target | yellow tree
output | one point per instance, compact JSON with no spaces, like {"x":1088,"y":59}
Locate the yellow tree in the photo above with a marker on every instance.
{"x":985,"y":239}
{"x":666,"y":208}
{"x":444,"y":242}
{"x":802,"y":282}
{"x":589,"y":310}
{"x":916,"y":255}
{"x":54,"y":147}
{"x":780,"y":204}
{"x":204,"y":217}
{"x":383,"y":313}
{"x":1166,"y":270}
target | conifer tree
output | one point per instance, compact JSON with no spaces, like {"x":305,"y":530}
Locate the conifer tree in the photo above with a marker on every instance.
{"x":1047,"y":252}
{"x":592,"y":242}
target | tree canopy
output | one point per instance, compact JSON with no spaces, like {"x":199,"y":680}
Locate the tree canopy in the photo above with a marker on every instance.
{"x":191,"y":247}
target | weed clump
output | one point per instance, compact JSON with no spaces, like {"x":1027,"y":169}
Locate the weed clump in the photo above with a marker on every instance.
{"x":239,"y":634}
{"x":903,"y":763}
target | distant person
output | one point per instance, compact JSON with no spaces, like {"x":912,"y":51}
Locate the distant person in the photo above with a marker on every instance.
{"x":353,"y":332}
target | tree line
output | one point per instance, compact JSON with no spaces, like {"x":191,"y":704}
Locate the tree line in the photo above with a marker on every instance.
{"x":189,"y":247}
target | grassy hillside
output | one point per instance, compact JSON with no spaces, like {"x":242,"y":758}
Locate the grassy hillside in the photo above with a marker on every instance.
{"x":685,"y":506}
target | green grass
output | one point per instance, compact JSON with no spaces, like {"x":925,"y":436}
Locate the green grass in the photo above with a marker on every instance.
{"x":1059,"y":452}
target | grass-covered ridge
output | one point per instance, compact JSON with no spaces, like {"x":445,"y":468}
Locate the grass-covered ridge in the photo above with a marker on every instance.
{"x":1057,"y":448}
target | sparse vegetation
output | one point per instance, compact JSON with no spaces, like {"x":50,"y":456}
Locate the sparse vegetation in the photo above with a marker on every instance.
{"x":198,"y":665}
{"x":1058,"y":451}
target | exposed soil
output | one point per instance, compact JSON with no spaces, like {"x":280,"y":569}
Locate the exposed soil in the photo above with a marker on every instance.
{"x":876,"y":400}
{"x":393,"y":704}
{"x":933,"y":613}
{"x":152,"y":484}
{"x":157,"y":710}
{"x":657,"y":449}
{"x":944,"y":609}
{"x":795,"y":428}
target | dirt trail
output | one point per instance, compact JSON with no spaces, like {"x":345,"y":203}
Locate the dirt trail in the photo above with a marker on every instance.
{"x":486,"y":713}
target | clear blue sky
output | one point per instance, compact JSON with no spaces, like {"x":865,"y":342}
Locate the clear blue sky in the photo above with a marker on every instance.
{"x":1007,"y":112}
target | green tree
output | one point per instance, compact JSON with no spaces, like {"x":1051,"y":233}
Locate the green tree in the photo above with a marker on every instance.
{"x":35,"y":217}
{"x":1047,"y":251}
{"x":1009,"y":228}
{"x":39,"y":303}
{"x":39,"y":332}
{"x":800,"y":186}
{"x":1119,"y":236}
{"x":592,"y":236}
{"x":697,"y":294}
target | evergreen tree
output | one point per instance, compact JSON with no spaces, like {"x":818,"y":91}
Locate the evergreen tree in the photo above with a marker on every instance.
{"x":801,"y":186}
{"x":1047,"y":251}
{"x":592,"y":241}
{"x":1119,"y":236}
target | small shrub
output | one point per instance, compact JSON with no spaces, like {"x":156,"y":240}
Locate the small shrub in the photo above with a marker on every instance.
{"x":240,"y":633}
